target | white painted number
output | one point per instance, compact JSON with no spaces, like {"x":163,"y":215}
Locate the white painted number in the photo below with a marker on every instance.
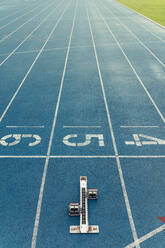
{"x":17,"y":139}
{"x":141,"y":139}
{"x":88,"y":138}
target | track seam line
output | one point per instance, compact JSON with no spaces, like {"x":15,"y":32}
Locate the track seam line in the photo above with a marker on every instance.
{"x":133,"y":69}
{"x":62,"y":48}
{"x":130,"y":217}
{"x":27,"y":37}
{"x":37,"y":219}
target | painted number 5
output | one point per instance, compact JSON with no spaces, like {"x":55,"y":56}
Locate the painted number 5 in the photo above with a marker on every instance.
{"x":67,"y":140}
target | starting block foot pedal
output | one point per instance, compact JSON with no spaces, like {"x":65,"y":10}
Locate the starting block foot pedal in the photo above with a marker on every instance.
{"x":91,"y":229}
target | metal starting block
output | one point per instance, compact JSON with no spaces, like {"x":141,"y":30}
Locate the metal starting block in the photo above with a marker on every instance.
{"x":81,"y":209}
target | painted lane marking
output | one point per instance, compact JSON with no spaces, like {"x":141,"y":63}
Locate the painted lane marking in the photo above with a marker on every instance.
{"x":81,"y":126}
{"x":85,"y":156}
{"x":17,"y":139}
{"x":129,"y":212}
{"x":132,"y":67}
{"x":39,"y":204}
{"x":88,"y":139}
{"x":142,"y":156}
{"x":25,"y":126}
{"x":139,"y":126}
{"x":23,"y":156}
{"x":150,"y":140}
{"x":57,"y":48}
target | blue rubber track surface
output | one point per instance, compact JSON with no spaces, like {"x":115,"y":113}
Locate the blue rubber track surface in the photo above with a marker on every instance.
{"x":81,"y":94}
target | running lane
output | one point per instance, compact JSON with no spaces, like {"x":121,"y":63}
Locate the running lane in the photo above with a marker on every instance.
{"x":77,"y":113}
{"x":81,"y":125}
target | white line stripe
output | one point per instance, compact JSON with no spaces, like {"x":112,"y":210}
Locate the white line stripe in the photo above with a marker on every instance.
{"x":133,"y":69}
{"x":35,"y":231}
{"x":141,"y":156}
{"x":25,"y":126}
{"x":84,"y":156}
{"x":29,"y":20}
{"x":29,"y":34}
{"x":147,"y":236}
{"x":31,"y":67}
{"x":114,"y":142}
{"x":22,"y":156}
{"x":139,"y":126}
{"x":81,"y":126}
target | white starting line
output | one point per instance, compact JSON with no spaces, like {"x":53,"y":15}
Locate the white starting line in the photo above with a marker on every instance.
{"x":85,"y":156}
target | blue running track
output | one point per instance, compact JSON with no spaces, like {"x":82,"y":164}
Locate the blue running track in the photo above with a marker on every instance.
{"x":82,"y":89}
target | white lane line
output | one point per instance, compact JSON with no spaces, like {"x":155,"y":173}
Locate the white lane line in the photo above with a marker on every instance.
{"x":85,"y":156}
{"x":29,"y":20}
{"x":141,"y":156}
{"x":56,"y":156}
{"x":147,"y":236}
{"x":31,"y":67}
{"x":81,"y":156}
{"x":134,"y":233}
{"x":139,"y":126}
{"x":139,"y":41}
{"x":27,"y":37}
{"x":133,"y":69}
{"x":25,"y":126}
{"x":22,"y":156}
{"x":81,"y":126}
{"x":37,"y":218}
{"x":1,"y":27}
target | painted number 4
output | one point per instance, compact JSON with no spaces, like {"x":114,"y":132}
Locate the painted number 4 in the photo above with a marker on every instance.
{"x":141,"y":139}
